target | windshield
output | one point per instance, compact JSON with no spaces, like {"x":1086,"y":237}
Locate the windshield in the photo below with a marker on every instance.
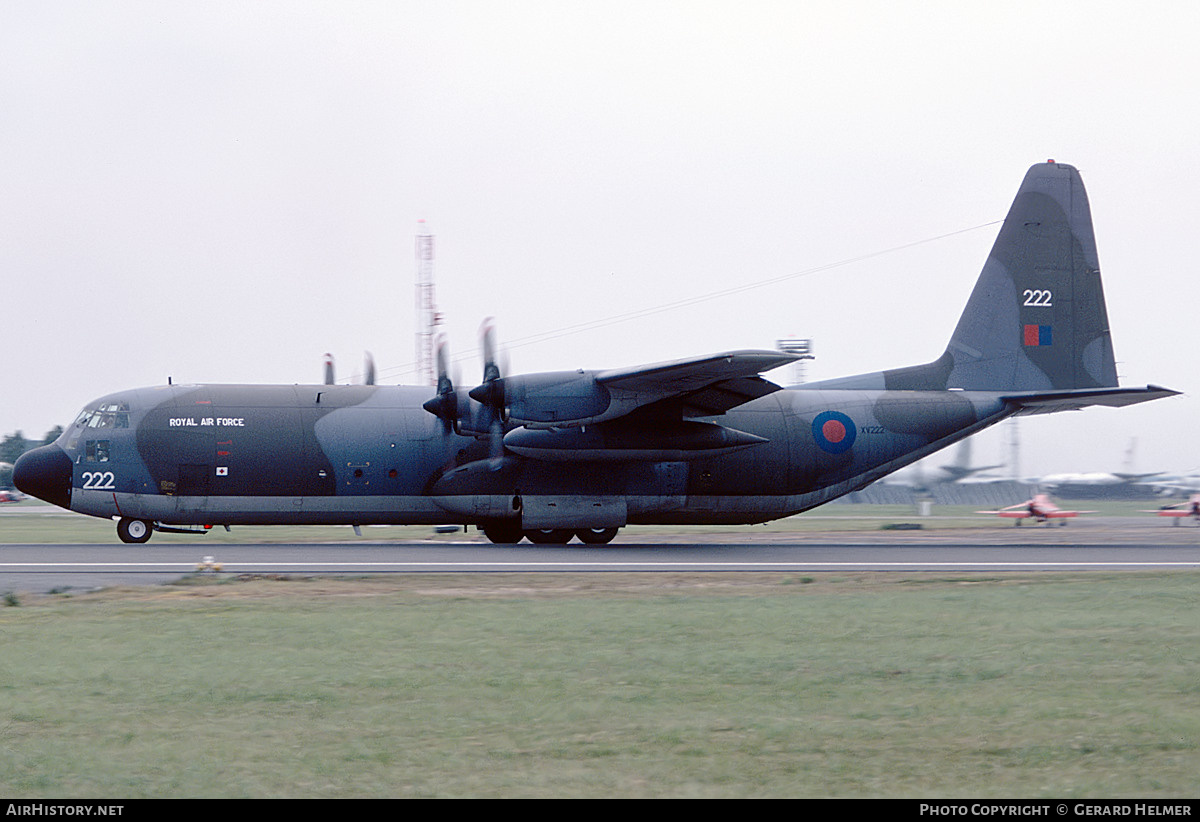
{"x":105,"y":415}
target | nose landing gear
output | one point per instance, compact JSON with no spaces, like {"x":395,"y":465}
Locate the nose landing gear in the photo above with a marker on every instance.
{"x":134,"y":530}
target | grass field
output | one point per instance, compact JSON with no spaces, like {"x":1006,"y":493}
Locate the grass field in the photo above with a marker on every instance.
{"x":638,"y":685}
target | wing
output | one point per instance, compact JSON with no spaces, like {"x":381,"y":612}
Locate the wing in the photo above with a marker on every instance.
{"x":702,"y":386}
{"x":694,"y":387}
{"x":641,"y":413}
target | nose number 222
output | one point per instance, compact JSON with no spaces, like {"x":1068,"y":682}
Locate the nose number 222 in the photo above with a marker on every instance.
{"x":98,"y":481}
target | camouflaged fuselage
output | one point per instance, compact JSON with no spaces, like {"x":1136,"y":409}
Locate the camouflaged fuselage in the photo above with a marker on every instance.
{"x":228,"y":454}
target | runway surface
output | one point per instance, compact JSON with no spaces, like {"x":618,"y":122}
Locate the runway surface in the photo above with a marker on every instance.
{"x":1119,"y":544}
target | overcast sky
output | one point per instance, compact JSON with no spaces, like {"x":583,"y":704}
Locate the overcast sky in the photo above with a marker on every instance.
{"x":225,"y":191}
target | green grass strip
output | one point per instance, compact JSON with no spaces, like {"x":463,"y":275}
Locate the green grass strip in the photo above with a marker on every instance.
{"x":622,"y":685}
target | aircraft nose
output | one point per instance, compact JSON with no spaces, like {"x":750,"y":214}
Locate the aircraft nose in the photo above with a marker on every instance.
{"x":44,"y":473}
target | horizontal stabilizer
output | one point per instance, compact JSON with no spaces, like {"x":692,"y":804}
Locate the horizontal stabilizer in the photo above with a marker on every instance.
{"x":1048,"y":402}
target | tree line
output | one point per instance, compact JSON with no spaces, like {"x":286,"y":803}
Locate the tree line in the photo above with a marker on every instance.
{"x":14,"y":445}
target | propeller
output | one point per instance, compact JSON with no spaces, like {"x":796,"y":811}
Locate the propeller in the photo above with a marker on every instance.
{"x":489,"y":419}
{"x":369,"y":379}
{"x":490,"y":393}
{"x":444,"y":405}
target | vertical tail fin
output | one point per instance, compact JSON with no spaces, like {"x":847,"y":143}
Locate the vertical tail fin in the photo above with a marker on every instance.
{"x":1035,"y":327}
{"x":1036,"y":320}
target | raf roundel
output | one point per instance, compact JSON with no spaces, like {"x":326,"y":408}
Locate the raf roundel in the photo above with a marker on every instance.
{"x":834,"y":432}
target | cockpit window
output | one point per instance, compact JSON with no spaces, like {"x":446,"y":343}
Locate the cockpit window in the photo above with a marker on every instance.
{"x":107,"y":415}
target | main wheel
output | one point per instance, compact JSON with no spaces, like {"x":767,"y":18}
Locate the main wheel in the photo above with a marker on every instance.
{"x":596,"y":536}
{"x":504,"y":532}
{"x":134,"y":530}
{"x":550,"y":536}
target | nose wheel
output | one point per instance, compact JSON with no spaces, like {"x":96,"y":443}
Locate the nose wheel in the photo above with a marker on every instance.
{"x":134,"y":530}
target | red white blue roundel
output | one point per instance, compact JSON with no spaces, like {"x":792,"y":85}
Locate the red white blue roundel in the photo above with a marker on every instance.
{"x":834,"y":431}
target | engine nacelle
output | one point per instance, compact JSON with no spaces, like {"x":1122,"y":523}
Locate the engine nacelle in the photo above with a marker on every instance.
{"x":555,"y":397}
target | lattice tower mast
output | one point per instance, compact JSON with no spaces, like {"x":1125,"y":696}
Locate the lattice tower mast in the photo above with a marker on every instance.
{"x":427,"y":316}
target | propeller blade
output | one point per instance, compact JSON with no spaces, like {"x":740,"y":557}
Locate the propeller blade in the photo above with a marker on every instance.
{"x":445,"y":404}
{"x":490,"y":393}
{"x":444,"y":384}
{"x":487,"y":344}
{"x":496,"y":443}
{"x":329,"y":369}
{"x":369,"y":379}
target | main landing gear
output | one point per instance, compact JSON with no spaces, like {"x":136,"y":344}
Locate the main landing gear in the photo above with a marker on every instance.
{"x":510,"y":533}
{"x":550,"y":536}
{"x":134,"y":530}
{"x":596,"y":536}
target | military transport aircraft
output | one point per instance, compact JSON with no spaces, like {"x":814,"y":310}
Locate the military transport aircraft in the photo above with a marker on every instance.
{"x":1040,"y":508}
{"x":582,"y":453}
{"x":920,"y":477}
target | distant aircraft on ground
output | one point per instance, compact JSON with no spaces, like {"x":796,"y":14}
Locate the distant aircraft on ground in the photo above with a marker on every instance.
{"x":10,"y":496}
{"x":1039,"y":508}
{"x":1097,"y":485}
{"x":1180,"y":510}
{"x":1092,"y":479}
{"x":1171,"y":484}
{"x":1124,"y":484}
{"x":922,"y":477}
{"x":553,"y":456}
